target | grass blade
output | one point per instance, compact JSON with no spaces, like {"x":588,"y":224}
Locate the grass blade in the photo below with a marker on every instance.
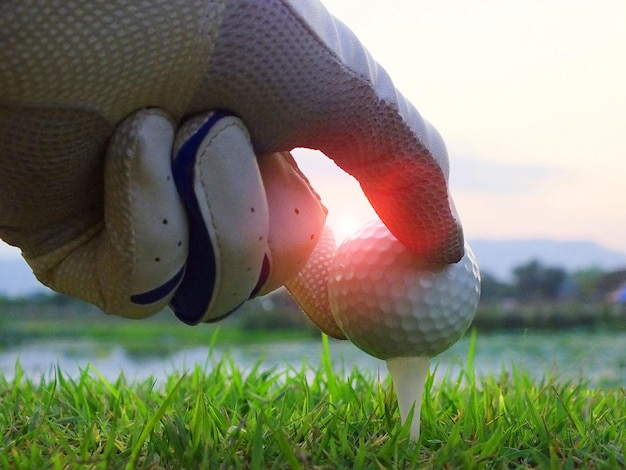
{"x":151,"y":424}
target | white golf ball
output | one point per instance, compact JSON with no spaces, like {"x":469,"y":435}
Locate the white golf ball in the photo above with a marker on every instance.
{"x":390,"y":303}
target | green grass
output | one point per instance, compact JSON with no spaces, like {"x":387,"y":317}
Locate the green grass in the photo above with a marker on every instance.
{"x":220,"y":417}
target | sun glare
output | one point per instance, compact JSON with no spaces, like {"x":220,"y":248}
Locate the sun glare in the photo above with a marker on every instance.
{"x":343,"y":226}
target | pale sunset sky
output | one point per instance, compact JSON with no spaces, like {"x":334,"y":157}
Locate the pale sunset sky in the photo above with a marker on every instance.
{"x":530,"y":97}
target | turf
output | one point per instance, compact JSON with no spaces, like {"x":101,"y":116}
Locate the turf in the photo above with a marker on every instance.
{"x":218,"y":416}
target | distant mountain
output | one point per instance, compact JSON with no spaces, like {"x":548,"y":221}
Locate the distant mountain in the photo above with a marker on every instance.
{"x":500,"y":257}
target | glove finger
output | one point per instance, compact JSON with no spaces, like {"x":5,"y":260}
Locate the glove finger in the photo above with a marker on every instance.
{"x":218,"y":178}
{"x":296,"y":216}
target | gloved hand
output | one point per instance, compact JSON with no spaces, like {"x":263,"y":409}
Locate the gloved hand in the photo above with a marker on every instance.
{"x":253,"y":221}
{"x":73,"y":79}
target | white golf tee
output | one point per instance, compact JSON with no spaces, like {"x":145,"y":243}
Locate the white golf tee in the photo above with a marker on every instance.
{"x":409,"y":378}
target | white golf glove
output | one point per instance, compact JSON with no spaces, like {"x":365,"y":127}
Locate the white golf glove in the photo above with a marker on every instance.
{"x":78,"y":88}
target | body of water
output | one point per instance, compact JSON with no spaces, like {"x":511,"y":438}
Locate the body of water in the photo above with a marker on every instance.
{"x":598,"y":357}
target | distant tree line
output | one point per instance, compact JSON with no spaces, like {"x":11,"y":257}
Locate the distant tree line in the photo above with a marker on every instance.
{"x":535,"y":296}
{"x":534,"y":282}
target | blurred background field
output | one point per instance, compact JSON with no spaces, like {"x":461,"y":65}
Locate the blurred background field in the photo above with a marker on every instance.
{"x":544,"y":319}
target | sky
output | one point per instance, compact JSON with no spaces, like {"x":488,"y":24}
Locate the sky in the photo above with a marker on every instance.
{"x":530,"y":97}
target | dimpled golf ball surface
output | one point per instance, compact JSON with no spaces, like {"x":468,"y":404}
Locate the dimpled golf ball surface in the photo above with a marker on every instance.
{"x":388,"y":302}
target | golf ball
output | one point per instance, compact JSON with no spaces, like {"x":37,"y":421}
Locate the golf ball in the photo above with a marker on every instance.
{"x":390,"y":303}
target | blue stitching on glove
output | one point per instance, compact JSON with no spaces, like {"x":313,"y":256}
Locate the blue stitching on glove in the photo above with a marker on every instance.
{"x":158,"y":293}
{"x":263,"y":276}
{"x":193,"y":296}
